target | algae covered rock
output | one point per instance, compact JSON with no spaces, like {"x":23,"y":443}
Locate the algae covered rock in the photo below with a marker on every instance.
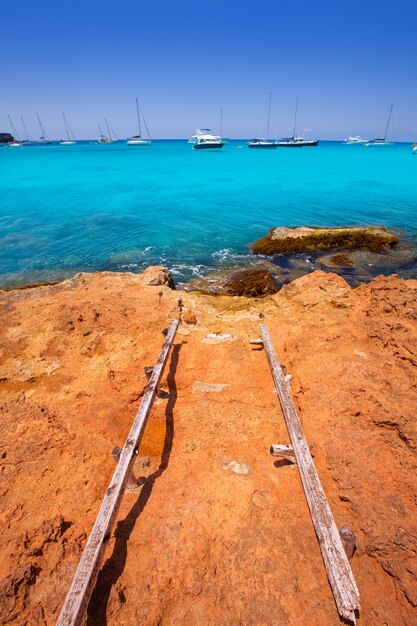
{"x":251,"y":283}
{"x":285,"y":240}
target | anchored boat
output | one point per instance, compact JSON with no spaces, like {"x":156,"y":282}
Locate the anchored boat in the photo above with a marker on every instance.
{"x":138,"y":140}
{"x":43,"y":137}
{"x":355,"y":140}
{"x":14,"y":143}
{"x":70,"y":135}
{"x":205,"y":140}
{"x":382,"y":141}
{"x":294,"y":141}
{"x":266,"y":142}
{"x":106,"y":138}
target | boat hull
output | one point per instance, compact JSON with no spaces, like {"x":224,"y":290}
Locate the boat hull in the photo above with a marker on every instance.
{"x":208,"y":146}
{"x":289,"y":145}
{"x":262,"y":146}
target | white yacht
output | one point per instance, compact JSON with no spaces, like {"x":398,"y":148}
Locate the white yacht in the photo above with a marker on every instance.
{"x":355,"y":140}
{"x":414,"y":147}
{"x":138,"y":140}
{"x":381,"y":141}
{"x":70,"y":141}
{"x":205,"y":140}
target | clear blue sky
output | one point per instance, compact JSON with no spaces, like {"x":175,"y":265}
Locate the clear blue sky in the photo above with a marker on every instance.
{"x":186,"y":59}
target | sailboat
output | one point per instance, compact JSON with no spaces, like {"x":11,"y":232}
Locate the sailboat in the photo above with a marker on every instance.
{"x":105,"y":138}
{"x":294,"y":141}
{"x":138,"y":140}
{"x":14,"y":143}
{"x":71,"y":139}
{"x":381,"y":141}
{"x":28,"y":140}
{"x":264,"y":143}
{"x":44,"y":137}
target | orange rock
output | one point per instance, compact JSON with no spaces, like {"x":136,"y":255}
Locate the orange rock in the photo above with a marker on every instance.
{"x":189,"y":317}
{"x":218,"y":534}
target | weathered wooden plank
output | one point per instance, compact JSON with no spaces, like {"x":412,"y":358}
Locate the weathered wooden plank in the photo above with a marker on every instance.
{"x":85,"y":577}
{"x":338,"y":569}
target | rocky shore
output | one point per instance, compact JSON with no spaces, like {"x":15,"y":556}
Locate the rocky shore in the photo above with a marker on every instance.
{"x":220,"y":533}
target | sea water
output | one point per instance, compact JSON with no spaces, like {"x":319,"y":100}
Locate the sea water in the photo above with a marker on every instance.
{"x":91,"y":207}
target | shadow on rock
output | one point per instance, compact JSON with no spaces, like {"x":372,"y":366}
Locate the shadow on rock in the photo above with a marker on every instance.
{"x":115,"y":564}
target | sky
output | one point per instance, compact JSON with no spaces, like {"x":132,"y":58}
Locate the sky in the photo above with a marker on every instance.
{"x":185,"y":60}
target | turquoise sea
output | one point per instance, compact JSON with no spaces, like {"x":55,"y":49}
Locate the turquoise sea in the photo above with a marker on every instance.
{"x":90,"y":207}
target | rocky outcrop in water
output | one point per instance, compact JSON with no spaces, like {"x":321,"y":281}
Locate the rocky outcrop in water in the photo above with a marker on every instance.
{"x":220,"y":532}
{"x":283,"y":240}
{"x":6,"y":138}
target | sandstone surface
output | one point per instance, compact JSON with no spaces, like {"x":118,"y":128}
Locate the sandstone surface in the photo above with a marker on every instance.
{"x":220,"y":532}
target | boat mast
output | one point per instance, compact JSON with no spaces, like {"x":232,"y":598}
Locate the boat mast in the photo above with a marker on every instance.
{"x":44,"y":135}
{"x":15,"y":133}
{"x":66,"y":126}
{"x":221,"y":122}
{"x":144,"y":121}
{"x":269,"y":116}
{"x":100,"y":131}
{"x":24,"y":128}
{"x":108,"y":128}
{"x":295,"y":117}
{"x":138,"y":114}
{"x":389,"y":119}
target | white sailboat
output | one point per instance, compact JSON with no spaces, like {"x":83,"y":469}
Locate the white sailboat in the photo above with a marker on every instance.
{"x":16,"y":143}
{"x":294,"y":141}
{"x":266,"y":142}
{"x":138,"y":140}
{"x":381,"y":141}
{"x":44,"y":137}
{"x":106,"y":138}
{"x":71,"y":139}
{"x":28,"y":140}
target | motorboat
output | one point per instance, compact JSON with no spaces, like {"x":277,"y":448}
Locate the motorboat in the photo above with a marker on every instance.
{"x":205,"y":140}
{"x":138,"y":140}
{"x":355,"y":140}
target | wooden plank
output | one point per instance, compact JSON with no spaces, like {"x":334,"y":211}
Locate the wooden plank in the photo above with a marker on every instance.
{"x":338,"y":569}
{"x":85,"y":577}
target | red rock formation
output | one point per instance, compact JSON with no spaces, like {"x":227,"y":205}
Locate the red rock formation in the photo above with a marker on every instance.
{"x":220,"y":533}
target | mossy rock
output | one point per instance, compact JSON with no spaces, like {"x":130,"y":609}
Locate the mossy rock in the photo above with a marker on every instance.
{"x":341,"y":260}
{"x":251,"y":283}
{"x":284,"y":240}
